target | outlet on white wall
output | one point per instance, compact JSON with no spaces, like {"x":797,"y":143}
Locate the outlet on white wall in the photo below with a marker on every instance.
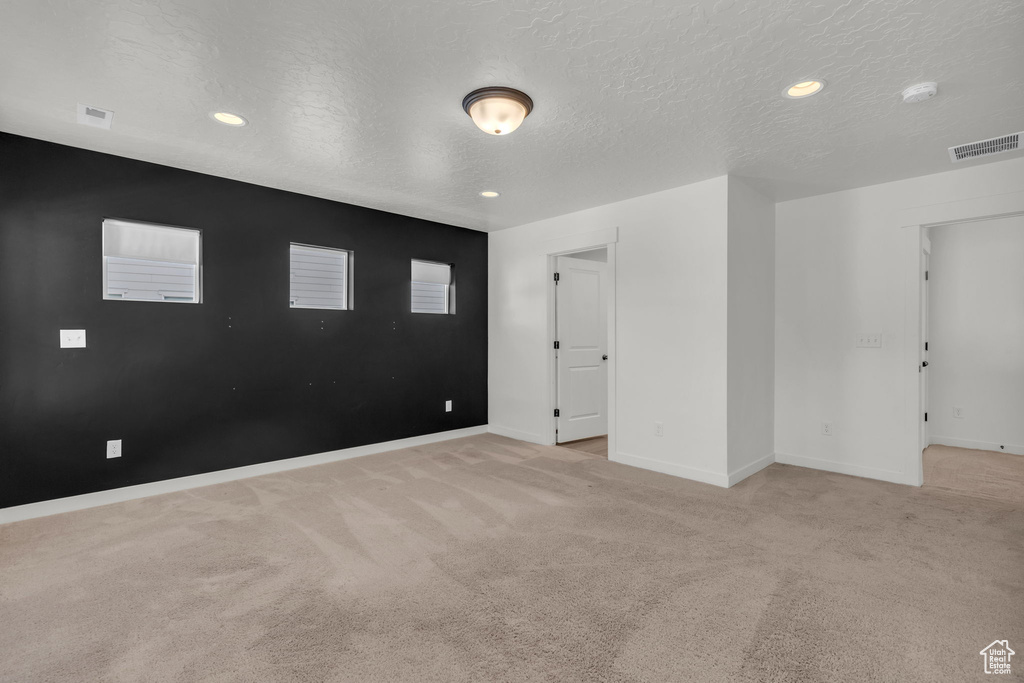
{"x":958,"y":412}
{"x":114,"y":449}
{"x":826,"y":428}
{"x":659,"y":429}
{"x":448,"y":406}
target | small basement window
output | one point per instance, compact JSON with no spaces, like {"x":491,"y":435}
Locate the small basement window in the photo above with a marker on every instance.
{"x":147,"y":262}
{"x":432,"y":287}
{"x":320,"y":278}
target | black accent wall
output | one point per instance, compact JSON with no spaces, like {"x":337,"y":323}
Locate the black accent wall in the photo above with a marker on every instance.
{"x":238,"y":379}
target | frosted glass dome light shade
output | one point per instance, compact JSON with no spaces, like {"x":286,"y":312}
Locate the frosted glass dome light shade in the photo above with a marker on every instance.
{"x":497,"y":111}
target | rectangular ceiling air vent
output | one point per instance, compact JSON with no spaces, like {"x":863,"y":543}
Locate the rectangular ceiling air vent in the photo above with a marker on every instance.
{"x":971,"y":150}
{"x":94,"y":116}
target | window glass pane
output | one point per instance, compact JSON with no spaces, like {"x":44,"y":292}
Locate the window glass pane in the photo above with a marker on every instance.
{"x":142,"y":279}
{"x":146,"y":262}
{"x":146,"y":241}
{"x":319,"y":278}
{"x":431,"y":287}
{"x":429,"y":298}
{"x":436,"y":273}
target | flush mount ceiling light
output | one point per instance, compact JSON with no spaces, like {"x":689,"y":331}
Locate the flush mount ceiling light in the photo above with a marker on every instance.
{"x":496,"y":110}
{"x":228,"y":119}
{"x":490,"y":194}
{"x":804,"y":89}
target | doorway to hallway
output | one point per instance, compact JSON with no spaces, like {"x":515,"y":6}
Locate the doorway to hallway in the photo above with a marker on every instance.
{"x":972,"y":379}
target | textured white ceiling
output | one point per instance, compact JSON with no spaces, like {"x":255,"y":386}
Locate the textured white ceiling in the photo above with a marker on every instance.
{"x":360,"y":101}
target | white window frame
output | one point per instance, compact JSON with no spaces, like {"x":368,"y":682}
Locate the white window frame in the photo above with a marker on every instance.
{"x":347,"y":280}
{"x":449,"y":287}
{"x":194,"y":260}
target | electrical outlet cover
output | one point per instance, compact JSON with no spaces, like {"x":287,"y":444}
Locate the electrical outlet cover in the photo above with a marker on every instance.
{"x":114,"y":449}
{"x":72,"y":339}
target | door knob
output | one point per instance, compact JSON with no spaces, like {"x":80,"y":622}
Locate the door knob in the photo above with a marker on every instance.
{"x":924,"y":364}
{"x":604,"y":357}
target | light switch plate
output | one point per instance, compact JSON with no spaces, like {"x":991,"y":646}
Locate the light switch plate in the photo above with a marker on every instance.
{"x":869,"y":340}
{"x":72,"y":339}
{"x":447,"y":406}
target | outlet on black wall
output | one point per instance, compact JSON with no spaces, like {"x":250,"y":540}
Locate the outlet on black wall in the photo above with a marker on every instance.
{"x":238,"y":379}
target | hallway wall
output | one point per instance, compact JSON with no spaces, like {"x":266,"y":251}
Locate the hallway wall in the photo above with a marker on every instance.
{"x":840,"y":271}
{"x":976,"y":340}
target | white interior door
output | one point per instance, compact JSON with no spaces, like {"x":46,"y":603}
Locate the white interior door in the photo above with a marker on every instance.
{"x":581,"y":316}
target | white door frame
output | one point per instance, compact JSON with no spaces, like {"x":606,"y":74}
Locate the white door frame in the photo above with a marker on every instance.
{"x":913,"y":222}
{"x":564,"y":246}
{"x":923,"y":381}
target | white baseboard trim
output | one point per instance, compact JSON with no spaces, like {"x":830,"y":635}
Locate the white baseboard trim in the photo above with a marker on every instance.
{"x":703,"y":476}
{"x":89,"y":500}
{"x":736,"y":476}
{"x":842,"y":468}
{"x":976,"y":445}
{"x":517,"y":434}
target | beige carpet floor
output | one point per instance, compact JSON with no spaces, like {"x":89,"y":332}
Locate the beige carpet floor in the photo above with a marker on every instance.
{"x":488,"y":559}
{"x":987,"y":474}
{"x":597,"y":445}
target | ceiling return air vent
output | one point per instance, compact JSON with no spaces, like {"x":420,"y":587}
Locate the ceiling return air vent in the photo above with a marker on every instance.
{"x":94,"y":116}
{"x":983,"y":148}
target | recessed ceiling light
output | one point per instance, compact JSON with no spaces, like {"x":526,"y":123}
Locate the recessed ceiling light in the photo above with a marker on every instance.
{"x":228,"y":119}
{"x":804,"y":89}
{"x":496,"y":110}
{"x":490,"y":193}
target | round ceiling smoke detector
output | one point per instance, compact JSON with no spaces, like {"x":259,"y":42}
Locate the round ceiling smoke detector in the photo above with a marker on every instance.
{"x":920,"y":92}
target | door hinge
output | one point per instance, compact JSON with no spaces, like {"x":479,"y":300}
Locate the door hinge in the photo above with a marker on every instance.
{"x":926,"y":346}
{"x":926,"y":275}
{"x":926,"y":417}
{"x":557,"y":414}
{"x":556,"y":277}
{"x":556,"y":345}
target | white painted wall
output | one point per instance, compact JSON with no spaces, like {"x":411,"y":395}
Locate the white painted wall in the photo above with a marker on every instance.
{"x":671,"y":278}
{"x":751,"y":330}
{"x":976,"y":340}
{"x":839,"y":270}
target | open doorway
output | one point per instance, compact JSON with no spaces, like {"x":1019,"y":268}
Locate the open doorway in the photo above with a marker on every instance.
{"x":915,"y":223}
{"x":972,"y":379}
{"x":582,"y":283}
